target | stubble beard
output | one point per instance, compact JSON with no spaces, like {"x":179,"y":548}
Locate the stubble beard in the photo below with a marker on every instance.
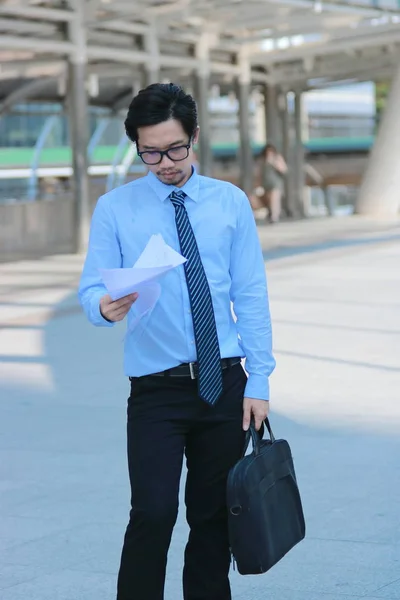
{"x":180,"y":177}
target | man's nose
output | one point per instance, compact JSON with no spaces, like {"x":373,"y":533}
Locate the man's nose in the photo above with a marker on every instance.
{"x":166,"y":162}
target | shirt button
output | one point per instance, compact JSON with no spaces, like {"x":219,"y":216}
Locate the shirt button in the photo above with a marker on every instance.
{"x":189,"y":312}
{"x":192,"y":342}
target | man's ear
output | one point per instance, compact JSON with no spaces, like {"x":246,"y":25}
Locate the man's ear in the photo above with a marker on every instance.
{"x":196,"y":135}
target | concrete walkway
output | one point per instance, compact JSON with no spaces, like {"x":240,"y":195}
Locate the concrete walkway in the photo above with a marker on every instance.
{"x":64,"y":497}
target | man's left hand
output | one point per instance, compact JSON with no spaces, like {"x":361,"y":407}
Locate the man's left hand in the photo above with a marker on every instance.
{"x":259,"y":409}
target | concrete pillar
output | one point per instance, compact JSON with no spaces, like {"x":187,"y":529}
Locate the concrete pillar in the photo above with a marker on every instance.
{"x":202,"y":93}
{"x":150,"y":76}
{"x":272,"y":114}
{"x":299,"y":171}
{"x":246,"y":154}
{"x":259,"y":127}
{"x":78,"y":121}
{"x":152,"y":66}
{"x":329,"y":201}
{"x":379,"y":193}
{"x":204,"y":145}
{"x":285,"y":121}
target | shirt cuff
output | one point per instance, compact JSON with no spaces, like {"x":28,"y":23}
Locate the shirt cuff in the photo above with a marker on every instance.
{"x":257,"y":387}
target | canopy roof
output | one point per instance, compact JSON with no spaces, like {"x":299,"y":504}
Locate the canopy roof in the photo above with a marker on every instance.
{"x":297,"y":44}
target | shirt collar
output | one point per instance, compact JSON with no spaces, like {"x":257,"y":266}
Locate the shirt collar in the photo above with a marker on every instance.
{"x":191,"y":187}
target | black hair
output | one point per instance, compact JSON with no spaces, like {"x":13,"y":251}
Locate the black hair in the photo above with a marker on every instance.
{"x":160,"y":102}
{"x":267,"y":148}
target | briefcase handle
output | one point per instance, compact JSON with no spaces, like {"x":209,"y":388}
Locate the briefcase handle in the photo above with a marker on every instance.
{"x":257,"y":436}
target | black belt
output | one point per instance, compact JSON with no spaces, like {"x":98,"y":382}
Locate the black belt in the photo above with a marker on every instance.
{"x":191,"y":369}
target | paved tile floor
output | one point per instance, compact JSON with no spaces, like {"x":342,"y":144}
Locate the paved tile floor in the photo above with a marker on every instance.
{"x":64,"y":494}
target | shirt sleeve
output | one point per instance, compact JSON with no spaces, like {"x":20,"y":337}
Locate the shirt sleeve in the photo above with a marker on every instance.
{"x":249,"y":294}
{"x":103,"y":253}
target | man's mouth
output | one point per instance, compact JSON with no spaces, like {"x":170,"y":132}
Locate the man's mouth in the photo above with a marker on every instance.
{"x":168,"y":175}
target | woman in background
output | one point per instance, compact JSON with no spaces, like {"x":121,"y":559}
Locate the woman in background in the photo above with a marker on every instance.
{"x":274,"y":170}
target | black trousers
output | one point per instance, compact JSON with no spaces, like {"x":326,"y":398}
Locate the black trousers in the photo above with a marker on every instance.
{"x":167,"y":420}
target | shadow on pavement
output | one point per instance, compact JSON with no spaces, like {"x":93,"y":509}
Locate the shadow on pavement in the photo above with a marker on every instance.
{"x":64,"y":485}
{"x":64,"y":495}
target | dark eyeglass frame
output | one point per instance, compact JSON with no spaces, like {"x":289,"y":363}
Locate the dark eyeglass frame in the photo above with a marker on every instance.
{"x":163,"y":153}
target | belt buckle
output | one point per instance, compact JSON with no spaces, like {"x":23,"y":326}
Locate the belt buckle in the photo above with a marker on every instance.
{"x":192,"y":372}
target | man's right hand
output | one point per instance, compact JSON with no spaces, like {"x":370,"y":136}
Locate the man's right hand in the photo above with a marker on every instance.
{"x":116,"y":310}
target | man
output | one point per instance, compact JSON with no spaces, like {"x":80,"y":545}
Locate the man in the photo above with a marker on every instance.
{"x":189,"y":393}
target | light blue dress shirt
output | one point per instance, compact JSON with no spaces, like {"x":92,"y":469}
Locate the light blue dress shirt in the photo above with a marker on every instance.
{"x":220,"y":213}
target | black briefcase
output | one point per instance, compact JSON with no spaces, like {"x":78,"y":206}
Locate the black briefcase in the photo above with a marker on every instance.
{"x":265,"y":514}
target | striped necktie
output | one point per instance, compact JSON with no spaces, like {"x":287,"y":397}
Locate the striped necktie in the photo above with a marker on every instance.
{"x":205,"y":330}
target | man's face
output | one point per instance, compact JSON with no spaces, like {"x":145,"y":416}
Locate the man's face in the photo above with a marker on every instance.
{"x":168,"y":135}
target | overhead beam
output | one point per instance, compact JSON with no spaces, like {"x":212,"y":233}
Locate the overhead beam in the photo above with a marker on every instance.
{"x":25,"y":27}
{"x":333,"y":66}
{"x":138,"y":57}
{"x":111,"y":71}
{"x":350,"y":78}
{"x":169,"y":8}
{"x":353,"y":69}
{"x":36,"y":12}
{"x":333,"y":46}
{"x":293,"y":25}
{"x":121,"y":10}
{"x":42,"y":70}
{"x":327,"y":37}
{"x":31,"y":68}
{"x":123,"y":55}
{"x":164,"y":33}
{"x":24,"y":92}
{"x":10,"y":42}
{"x":224,"y":68}
{"x":121,"y":26}
{"x":339,"y":6}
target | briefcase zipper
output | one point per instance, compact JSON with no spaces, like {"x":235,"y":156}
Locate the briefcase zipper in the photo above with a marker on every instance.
{"x":236,"y":498}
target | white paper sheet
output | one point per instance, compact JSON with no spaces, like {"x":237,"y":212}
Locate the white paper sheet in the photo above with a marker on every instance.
{"x":156,"y":259}
{"x":122,"y":282}
{"x":149,"y":294}
{"x":158,"y":254}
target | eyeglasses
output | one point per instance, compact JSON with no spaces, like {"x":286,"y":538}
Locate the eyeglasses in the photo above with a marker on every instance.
{"x":154,"y":157}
